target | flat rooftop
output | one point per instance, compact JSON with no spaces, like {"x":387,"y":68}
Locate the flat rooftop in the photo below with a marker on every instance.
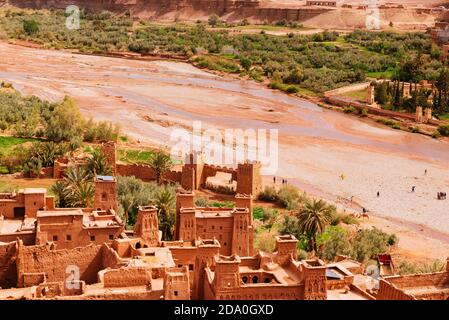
{"x":59,"y":213}
{"x":10,"y":226}
{"x":33,"y":190}
{"x":340,"y":294}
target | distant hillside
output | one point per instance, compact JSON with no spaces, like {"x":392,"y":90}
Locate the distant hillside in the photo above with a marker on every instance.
{"x":253,"y":10}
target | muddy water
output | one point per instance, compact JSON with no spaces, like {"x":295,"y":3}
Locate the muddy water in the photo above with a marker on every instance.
{"x":317,"y":146}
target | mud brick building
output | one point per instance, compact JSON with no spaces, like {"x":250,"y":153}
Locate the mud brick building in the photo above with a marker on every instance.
{"x":430,"y":286}
{"x":31,"y":216}
{"x":233,"y":227}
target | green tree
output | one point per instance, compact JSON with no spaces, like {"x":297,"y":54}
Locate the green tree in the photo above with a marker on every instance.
{"x":161,"y":163}
{"x":246,"y":63}
{"x":313,"y":219}
{"x":368,"y":243}
{"x":132,"y":193}
{"x":97,"y":164}
{"x":76,"y":189}
{"x":66,"y":123}
{"x":166,"y":203}
{"x":213,"y":20}
{"x":30,"y":27}
{"x":334,"y":241}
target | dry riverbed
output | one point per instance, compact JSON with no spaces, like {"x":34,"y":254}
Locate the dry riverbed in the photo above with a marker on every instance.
{"x":326,"y":153}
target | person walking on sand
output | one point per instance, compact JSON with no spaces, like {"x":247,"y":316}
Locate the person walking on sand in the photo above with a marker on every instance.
{"x":274,"y":180}
{"x":425,"y":172}
{"x":378,"y":194}
{"x":413,"y":189}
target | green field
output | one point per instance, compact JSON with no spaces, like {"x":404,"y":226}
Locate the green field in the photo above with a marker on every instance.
{"x":134,"y":156}
{"x":8,"y":143}
{"x":359,"y":95}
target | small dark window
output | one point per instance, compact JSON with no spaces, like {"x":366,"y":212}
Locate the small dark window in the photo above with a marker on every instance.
{"x":245,"y":279}
{"x":111,"y":237}
{"x":55,"y":238}
{"x":266,"y":280}
{"x":68,"y":237}
{"x":34,"y":202}
{"x":104,"y":196}
{"x":213,"y":227}
{"x":221,"y":228}
{"x":92,"y":238}
{"x":191,"y":267}
{"x":225,"y":244}
{"x":255,"y":279}
{"x":176,"y":293}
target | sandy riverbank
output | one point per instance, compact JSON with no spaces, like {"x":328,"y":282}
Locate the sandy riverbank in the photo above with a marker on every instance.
{"x":316,"y":146}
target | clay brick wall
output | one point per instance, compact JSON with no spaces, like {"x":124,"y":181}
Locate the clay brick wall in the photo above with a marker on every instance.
{"x":109,"y":257}
{"x":249,"y":180}
{"x":389,"y":292}
{"x":127,"y":277}
{"x":211,"y":171}
{"x":54,"y":263}
{"x":8,"y":269}
{"x":146,"y":173}
{"x":141,"y":172}
{"x":415,"y":280}
{"x":28,"y":238}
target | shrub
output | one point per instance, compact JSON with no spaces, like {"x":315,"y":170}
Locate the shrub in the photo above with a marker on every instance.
{"x":347,"y":219}
{"x":392,"y":240}
{"x":66,"y":122}
{"x":405,"y":267}
{"x":30,"y":27}
{"x":443,"y":130}
{"x":415,"y":130}
{"x":336,"y":219}
{"x":213,"y":20}
{"x":333,"y":241}
{"x":201,"y":202}
{"x":258,"y":213}
{"x":302,"y":254}
{"x":288,"y":196}
{"x":265,"y":241}
{"x":269,"y":194}
{"x":363,"y":113}
{"x":368,"y":243}
{"x":349,"y":109}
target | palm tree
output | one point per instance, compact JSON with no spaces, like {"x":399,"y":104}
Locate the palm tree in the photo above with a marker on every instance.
{"x":98,"y":164}
{"x":59,"y":191}
{"x":76,"y":189}
{"x":165,"y":202}
{"x":161,"y":163}
{"x":82,"y":196}
{"x":313,"y":219}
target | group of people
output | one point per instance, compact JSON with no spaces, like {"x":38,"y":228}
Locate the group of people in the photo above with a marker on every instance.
{"x":441,"y":195}
{"x":284,"y":181}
